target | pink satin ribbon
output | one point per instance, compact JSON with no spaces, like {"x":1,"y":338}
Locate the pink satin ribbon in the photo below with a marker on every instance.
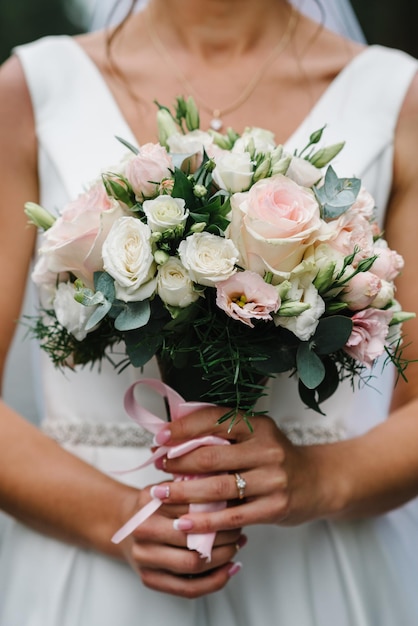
{"x":179,"y":408}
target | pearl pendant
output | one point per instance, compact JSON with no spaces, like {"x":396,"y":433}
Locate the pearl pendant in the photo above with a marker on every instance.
{"x":216,"y":123}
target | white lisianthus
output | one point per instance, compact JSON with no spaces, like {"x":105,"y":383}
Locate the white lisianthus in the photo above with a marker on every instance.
{"x":174,"y":285}
{"x":303,"y":325}
{"x":261,"y":139}
{"x":70,"y":313}
{"x":208,"y":258}
{"x":192,"y":142}
{"x":385,"y":296}
{"x":164,"y":213}
{"x":128,"y":258}
{"x":303,"y":172}
{"x":233,"y":171}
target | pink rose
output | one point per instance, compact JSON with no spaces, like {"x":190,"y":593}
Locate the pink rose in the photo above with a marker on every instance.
{"x":367,"y":340}
{"x":73,"y":243}
{"x":246,"y":296}
{"x":351,"y":231}
{"x":388,"y":263}
{"x":147,"y":169}
{"x":361,"y":290}
{"x":273,"y":224}
{"x":364,"y":204}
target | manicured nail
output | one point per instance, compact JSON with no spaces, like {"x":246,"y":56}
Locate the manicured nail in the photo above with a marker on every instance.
{"x":242,"y":541}
{"x":182,"y":524}
{"x":162,"y":492}
{"x":234,"y":569}
{"x":162,"y":437}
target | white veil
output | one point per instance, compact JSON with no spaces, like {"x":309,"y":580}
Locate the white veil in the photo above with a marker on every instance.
{"x":337,"y":15}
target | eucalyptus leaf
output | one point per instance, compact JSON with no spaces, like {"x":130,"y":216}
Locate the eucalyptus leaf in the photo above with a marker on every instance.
{"x":104,"y":282}
{"x":332,"y":334}
{"x":330,"y":383}
{"x":310,"y":368}
{"x":99,"y":314}
{"x":133,"y":315}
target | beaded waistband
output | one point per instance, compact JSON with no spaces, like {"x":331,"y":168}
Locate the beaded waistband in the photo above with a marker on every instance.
{"x":93,"y":434}
{"x":131,"y":435}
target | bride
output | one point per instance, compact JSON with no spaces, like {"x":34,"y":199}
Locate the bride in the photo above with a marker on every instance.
{"x":326,"y":531}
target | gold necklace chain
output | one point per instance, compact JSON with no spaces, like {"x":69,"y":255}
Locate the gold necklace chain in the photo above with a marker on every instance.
{"x":217,"y":113}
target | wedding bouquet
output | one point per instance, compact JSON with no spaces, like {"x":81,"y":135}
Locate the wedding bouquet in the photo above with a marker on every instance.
{"x":226,"y":257}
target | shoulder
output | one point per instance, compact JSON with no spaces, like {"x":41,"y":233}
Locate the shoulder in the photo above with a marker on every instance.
{"x":17,"y":128}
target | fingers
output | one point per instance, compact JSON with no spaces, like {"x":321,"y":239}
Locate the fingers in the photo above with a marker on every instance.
{"x":260,"y":511}
{"x":202,"y":422}
{"x":186,"y":587}
{"x":223,"y":487}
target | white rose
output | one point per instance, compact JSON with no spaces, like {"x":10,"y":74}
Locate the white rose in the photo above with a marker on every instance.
{"x":233,"y":171}
{"x":208,"y":258}
{"x":190,"y":143}
{"x":165,"y":213}
{"x":174,"y":285}
{"x":128,"y":258}
{"x":303,"y":325}
{"x":303,"y":173}
{"x":262,"y":139}
{"x":70,"y":313}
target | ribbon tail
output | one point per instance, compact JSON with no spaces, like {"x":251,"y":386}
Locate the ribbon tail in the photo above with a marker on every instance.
{"x":203,"y":542}
{"x":136,"y":520}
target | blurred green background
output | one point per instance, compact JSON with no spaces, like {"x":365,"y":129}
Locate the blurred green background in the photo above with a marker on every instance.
{"x":383,"y":21}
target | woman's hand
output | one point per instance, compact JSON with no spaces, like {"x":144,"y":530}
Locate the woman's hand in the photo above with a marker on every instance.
{"x":158,"y":553}
{"x":282,"y":485}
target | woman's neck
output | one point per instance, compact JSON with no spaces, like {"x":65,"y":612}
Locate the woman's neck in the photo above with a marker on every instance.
{"x":218,"y":31}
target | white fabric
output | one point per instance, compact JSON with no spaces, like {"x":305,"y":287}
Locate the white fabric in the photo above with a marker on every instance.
{"x":317,"y":574}
{"x":337,"y":15}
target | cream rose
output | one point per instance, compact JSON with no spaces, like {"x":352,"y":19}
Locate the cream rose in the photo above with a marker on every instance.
{"x":128,"y":258}
{"x":174,"y":285}
{"x":208,"y":258}
{"x":273,"y":224}
{"x":233,"y":171}
{"x":164,"y":213}
{"x":147,"y":169}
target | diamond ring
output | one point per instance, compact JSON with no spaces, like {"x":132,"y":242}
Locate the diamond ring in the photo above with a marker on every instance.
{"x":241,"y":483}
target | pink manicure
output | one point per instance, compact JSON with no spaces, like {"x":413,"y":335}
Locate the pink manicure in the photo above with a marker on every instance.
{"x":162,"y":492}
{"x":234,"y":569}
{"x":182,"y":524}
{"x":162,"y":437}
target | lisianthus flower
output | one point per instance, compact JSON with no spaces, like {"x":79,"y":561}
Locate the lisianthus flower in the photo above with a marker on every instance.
{"x":245,"y":296}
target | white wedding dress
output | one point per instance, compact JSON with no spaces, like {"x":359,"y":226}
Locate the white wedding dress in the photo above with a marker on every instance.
{"x":360,"y":573}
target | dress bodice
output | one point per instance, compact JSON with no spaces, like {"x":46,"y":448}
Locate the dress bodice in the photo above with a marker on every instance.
{"x":77,"y":120}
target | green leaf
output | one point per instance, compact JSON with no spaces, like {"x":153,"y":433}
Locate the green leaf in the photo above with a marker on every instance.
{"x":128,"y":145}
{"x":337,"y":194}
{"x":332,"y":334}
{"x":331,"y":381}
{"x":309,"y":397}
{"x":104,"y":282}
{"x":183,"y":188}
{"x":99,"y":314}
{"x":310,"y":368}
{"x":141,"y":346}
{"x":133,"y":315}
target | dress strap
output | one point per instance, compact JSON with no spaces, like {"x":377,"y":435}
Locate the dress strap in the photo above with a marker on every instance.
{"x":76,"y":115}
{"x":363,"y":103}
